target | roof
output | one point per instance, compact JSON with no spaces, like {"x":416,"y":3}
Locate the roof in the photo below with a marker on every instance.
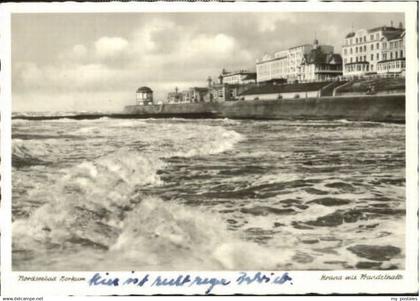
{"x":202,"y":89}
{"x":350,"y":35}
{"x":271,"y":60}
{"x":318,"y":57}
{"x":285,"y":88}
{"x":384,"y":28}
{"x":248,"y":73}
{"x":301,"y":45}
{"x":144,"y":90}
{"x":252,"y":75}
{"x":393,"y":35}
{"x":335,"y":57}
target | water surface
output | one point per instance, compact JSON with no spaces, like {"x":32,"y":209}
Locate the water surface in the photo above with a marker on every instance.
{"x":114,"y":194}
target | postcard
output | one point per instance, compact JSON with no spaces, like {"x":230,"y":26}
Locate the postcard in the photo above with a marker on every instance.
{"x":209,"y":149}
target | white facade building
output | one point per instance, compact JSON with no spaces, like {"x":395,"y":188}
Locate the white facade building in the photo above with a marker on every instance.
{"x":362,"y":50}
{"x":295,"y":56}
{"x":393,"y":55}
{"x":239,"y":78}
{"x":285,"y":64}
{"x":274,"y":66}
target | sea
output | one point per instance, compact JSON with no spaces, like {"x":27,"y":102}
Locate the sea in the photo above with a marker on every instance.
{"x":207,"y":194}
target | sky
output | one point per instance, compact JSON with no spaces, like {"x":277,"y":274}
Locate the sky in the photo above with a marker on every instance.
{"x":96,"y":61}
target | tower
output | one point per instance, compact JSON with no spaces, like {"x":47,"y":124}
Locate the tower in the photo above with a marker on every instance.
{"x":316,"y":43}
{"x":220,"y":79}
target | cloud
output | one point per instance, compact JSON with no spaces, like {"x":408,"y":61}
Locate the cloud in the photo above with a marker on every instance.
{"x":63,"y":77}
{"x":270,"y":21}
{"x":79,"y":51}
{"x":116,"y":54}
{"x":107,"y":47}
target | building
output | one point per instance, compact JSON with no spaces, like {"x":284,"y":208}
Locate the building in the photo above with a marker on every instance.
{"x":285,"y":64}
{"x":286,"y":91}
{"x":197,"y":94}
{"x":271,"y":67}
{"x":186,"y":96}
{"x":320,"y":64}
{"x":363,"y":49}
{"x":393,"y":55}
{"x":175,"y":97}
{"x":240,"y":77}
{"x":295,"y":56}
{"x":226,"y":92}
{"x":144,"y":96}
{"x":229,"y":91}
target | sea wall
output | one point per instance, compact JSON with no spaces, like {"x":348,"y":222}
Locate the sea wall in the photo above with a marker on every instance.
{"x":386,"y":108}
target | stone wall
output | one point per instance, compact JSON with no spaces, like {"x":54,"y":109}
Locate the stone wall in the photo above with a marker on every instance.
{"x":386,"y":108}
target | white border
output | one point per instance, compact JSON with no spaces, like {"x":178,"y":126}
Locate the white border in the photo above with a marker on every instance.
{"x":304,"y":281}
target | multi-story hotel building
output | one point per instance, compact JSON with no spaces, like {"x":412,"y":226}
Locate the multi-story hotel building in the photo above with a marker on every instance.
{"x":363,"y":49}
{"x":286,"y":64}
{"x":238,"y":77}
{"x":393,"y":55}
{"x":295,"y":56}
{"x":275,"y":66}
{"x":320,"y":64}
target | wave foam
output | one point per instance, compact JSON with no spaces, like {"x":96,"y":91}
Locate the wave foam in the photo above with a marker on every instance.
{"x":98,"y":205}
{"x":92,"y":195}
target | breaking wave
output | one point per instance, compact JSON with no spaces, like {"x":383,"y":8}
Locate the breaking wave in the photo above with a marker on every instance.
{"x":24,"y":154}
{"x":99,"y":205}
